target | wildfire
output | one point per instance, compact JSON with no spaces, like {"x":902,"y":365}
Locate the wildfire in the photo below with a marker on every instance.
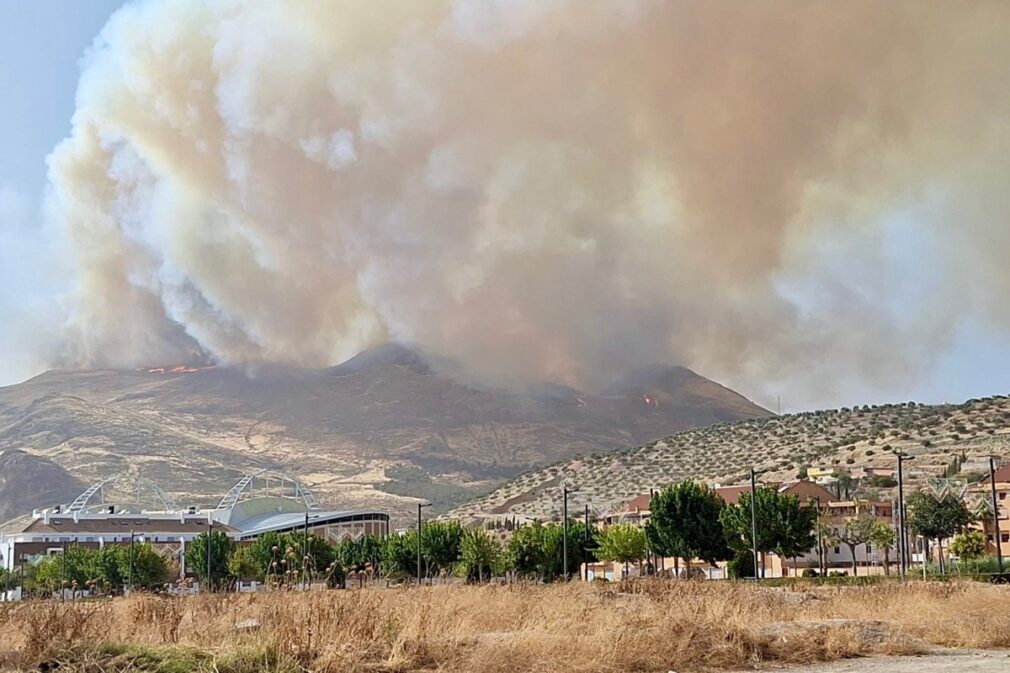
{"x":179,"y":369}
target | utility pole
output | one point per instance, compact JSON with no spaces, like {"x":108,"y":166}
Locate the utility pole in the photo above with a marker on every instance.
{"x":585,"y":542}
{"x":129,"y":583}
{"x":753,"y":519}
{"x":305,"y":554}
{"x":995,"y":514}
{"x":564,"y":536}
{"x":903,"y":546}
{"x":820,"y":542}
{"x":419,"y":506}
{"x":210,"y":534}
{"x":63,"y":573}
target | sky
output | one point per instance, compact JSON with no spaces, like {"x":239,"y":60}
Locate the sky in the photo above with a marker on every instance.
{"x":42,"y":45}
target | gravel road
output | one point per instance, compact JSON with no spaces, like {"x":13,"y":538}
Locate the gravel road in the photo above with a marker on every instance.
{"x":946,"y":662}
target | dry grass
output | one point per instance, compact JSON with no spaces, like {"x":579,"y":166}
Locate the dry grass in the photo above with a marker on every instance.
{"x":649,"y":626}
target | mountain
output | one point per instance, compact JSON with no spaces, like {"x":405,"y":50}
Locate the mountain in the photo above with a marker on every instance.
{"x":944,"y":439}
{"x":386,"y":425}
{"x":25,"y":478}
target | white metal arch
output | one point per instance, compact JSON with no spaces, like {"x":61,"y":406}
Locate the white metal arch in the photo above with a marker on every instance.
{"x":299,"y":491}
{"x":80,"y":503}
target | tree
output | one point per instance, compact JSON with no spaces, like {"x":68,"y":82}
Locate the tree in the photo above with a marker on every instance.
{"x":685,"y":522}
{"x":440,"y":543}
{"x":784,"y":525}
{"x":399,"y":555}
{"x":307,"y":561}
{"x":883,"y":537}
{"x":221,"y":549}
{"x":622,"y":543}
{"x":852,"y":532}
{"x":969,"y":545}
{"x":526,"y":551}
{"x":244,"y":566}
{"x":261,"y":560}
{"x":68,"y":570}
{"x":480,"y":555}
{"x":936,"y":519}
{"x":149,"y":568}
{"x":104,"y":570}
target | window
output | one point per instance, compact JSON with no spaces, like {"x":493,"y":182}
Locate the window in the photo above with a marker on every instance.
{"x":838,"y":550}
{"x":869,"y":549}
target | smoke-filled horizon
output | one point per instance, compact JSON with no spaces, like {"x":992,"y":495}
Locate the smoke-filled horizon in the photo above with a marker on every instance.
{"x":811,"y":193}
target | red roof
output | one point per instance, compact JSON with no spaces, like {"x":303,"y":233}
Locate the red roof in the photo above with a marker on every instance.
{"x":1002,"y":474}
{"x":731,"y":494}
{"x":639,"y":504}
{"x":808,"y":490}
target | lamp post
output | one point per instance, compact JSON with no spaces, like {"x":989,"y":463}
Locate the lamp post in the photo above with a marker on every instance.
{"x":63,"y":573}
{"x":419,"y":506}
{"x":753,"y":520}
{"x":564,"y":535}
{"x":305,"y":553}
{"x":210,"y":534}
{"x":903,"y":547}
{"x":820,"y":542}
{"x":129,"y":582}
{"x":995,"y":514}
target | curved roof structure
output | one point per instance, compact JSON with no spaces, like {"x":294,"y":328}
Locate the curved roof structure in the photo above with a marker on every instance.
{"x":136,"y":483}
{"x":275,"y":484}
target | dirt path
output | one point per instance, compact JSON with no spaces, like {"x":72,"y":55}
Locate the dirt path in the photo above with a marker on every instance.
{"x":946,"y":662}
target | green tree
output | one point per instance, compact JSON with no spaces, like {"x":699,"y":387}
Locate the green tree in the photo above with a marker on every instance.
{"x":936,"y":519}
{"x":969,"y":546}
{"x":263,"y":558}
{"x":68,"y":569}
{"x":104,"y":569}
{"x":307,"y":561}
{"x":244,"y":565}
{"x":481,"y":556}
{"x":622,"y":543}
{"x":149,"y":568}
{"x":883,"y":537}
{"x":685,"y":522}
{"x":852,"y":532}
{"x":221,"y":549}
{"x":526,"y":551}
{"x":784,"y":525}
{"x":399,"y":555}
{"x":440,"y":546}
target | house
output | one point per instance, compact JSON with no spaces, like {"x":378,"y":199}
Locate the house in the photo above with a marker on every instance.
{"x":980,"y":496}
{"x":833,"y":510}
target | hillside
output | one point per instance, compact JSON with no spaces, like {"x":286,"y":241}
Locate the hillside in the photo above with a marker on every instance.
{"x":777,"y":447}
{"x":27,"y":478}
{"x":388,"y":425}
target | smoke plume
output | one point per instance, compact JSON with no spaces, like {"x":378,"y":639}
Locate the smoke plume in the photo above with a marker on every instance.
{"x":548,"y":189}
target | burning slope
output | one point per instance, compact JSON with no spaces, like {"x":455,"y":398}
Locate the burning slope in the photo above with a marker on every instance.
{"x":388,"y":406}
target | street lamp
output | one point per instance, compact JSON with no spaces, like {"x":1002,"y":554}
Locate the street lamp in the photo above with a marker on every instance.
{"x":753,"y":520}
{"x":130,"y":579}
{"x":903,"y":549}
{"x":995,"y":514}
{"x":419,"y":506}
{"x":585,"y":543}
{"x":564,"y":537}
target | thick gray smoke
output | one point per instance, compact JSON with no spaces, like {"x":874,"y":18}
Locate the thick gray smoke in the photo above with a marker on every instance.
{"x":552,"y":189}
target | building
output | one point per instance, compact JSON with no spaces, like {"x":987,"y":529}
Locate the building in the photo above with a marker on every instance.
{"x":981,"y":497}
{"x":263,"y":502}
{"x":833,"y":510}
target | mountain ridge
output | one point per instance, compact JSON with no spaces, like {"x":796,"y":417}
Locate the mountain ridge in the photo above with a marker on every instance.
{"x":197,"y":429}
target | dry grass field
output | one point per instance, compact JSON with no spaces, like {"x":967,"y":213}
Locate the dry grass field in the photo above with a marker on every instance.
{"x":649,"y":626}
